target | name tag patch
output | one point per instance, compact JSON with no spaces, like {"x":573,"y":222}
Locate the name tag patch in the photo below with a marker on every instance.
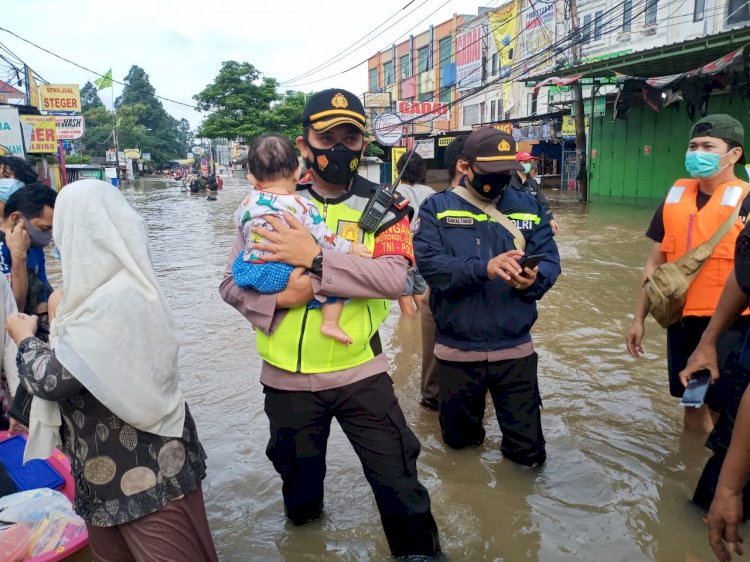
{"x":459,"y":221}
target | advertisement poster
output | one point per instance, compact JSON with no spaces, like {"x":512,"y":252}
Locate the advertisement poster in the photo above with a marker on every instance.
{"x":60,"y":98}
{"x":504,"y":24}
{"x":11,"y":141}
{"x":40,"y":133}
{"x":469,"y":59}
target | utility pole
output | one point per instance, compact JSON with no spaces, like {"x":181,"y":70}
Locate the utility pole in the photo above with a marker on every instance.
{"x":583,"y":188}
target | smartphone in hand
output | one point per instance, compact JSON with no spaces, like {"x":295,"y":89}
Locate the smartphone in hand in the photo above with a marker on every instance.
{"x":696,"y":390}
{"x":530,"y":261}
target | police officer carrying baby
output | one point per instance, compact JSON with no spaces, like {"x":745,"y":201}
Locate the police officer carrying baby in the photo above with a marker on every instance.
{"x":308,"y":378}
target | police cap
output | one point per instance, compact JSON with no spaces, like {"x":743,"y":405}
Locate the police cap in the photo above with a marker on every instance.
{"x":333,"y":107}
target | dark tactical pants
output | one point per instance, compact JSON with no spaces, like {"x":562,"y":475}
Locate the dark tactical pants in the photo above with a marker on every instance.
{"x":735,"y":376}
{"x":372,"y":420}
{"x":515,"y":393}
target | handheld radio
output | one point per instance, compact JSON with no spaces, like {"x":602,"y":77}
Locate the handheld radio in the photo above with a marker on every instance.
{"x":380,"y":202}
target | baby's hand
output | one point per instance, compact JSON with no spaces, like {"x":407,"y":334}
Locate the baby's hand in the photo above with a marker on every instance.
{"x":360,"y":250}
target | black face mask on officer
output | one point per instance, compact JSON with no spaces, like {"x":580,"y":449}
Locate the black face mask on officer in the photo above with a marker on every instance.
{"x":335,"y":165}
{"x":490,"y":186}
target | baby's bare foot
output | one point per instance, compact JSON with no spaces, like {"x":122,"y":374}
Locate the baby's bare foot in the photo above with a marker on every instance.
{"x":333,"y":330}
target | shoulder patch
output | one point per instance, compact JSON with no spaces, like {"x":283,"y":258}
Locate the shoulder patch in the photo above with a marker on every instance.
{"x":399,"y":201}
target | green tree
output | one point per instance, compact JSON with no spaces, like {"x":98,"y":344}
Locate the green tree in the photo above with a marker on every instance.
{"x":90,"y":97}
{"x":184,"y":136}
{"x":239,"y":99}
{"x":97,"y":137}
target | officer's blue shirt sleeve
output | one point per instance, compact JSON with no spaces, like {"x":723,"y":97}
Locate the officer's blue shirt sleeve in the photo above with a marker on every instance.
{"x":541,"y":240}
{"x":442,"y":270}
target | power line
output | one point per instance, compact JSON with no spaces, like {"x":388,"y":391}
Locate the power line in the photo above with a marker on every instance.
{"x":88,"y":69}
{"x":519,"y":65}
{"x":343,"y":54}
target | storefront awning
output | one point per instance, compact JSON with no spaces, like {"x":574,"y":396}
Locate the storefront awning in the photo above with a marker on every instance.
{"x":661,"y":61}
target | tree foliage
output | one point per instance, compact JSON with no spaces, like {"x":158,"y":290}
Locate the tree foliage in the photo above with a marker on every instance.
{"x":90,"y":97}
{"x":238,"y":98}
{"x":141,"y":120}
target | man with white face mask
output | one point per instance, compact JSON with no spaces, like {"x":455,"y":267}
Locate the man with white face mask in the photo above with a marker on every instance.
{"x":14,"y":174}
{"x":692,"y":212}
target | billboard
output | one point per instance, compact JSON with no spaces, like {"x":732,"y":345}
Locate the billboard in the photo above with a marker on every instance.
{"x":40,"y":133}
{"x":423,"y":111}
{"x":60,"y":98}
{"x":11,"y":141}
{"x":377,"y":99}
{"x":132,"y":153}
{"x":469,"y":59}
{"x":537,"y":38}
{"x":69,"y":127}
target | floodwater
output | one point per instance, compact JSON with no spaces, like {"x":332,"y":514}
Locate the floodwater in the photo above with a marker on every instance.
{"x":619,"y":471}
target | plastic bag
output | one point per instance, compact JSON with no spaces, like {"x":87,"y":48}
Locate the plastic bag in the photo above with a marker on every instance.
{"x":43,"y":521}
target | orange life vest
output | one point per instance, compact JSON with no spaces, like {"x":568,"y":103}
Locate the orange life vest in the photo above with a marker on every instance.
{"x":685,"y":227}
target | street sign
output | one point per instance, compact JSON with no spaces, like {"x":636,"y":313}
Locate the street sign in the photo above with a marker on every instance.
{"x":60,"y":98}
{"x":388,"y":128}
{"x":69,"y":127}
{"x":197,"y":150}
{"x":377,"y":99}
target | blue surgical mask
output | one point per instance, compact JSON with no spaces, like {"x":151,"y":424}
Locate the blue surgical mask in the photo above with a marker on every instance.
{"x":8,"y":186}
{"x":700,"y":164}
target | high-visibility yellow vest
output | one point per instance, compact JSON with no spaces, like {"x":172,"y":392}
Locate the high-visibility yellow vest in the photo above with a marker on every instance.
{"x":297,"y":345}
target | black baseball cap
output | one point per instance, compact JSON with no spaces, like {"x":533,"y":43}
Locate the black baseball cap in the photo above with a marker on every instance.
{"x":333,"y":107}
{"x":720,"y":126}
{"x":489,"y":150}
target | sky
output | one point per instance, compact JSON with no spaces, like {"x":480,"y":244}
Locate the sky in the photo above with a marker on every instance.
{"x":181,"y":44}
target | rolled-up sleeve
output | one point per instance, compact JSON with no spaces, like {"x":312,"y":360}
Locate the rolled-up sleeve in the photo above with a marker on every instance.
{"x":257,"y":308}
{"x":354,"y":277}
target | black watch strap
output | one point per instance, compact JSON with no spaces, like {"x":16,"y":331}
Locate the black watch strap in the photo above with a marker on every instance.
{"x":317,"y":263}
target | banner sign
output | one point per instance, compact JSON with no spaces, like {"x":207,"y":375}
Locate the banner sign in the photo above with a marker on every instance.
{"x":132,"y":153}
{"x":445,"y":141}
{"x":396,"y":153}
{"x":469,"y":59}
{"x":423,"y":111}
{"x":146,"y":156}
{"x":388,"y":128}
{"x":197,"y":150}
{"x":377,"y":99}
{"x":11,"y":140}
{"x":40,"y":133}
{"x":504,"y":24}
{"x":569,"y":126}
{"x":537,"y":37}
{"x":69,"y":127}
{"x":425,"y":148}
{"x":60,"y":98}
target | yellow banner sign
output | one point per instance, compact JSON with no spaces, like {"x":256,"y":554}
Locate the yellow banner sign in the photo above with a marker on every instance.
{"x":33,"y":88}
{"x":445,"y":141}
{"x":60,"y":98}
{"x":504,"y":23}
{"x":396,"y":153}
{"x":569,"y":126}
{"x":133,"y":153}
{"x":40,"y":133}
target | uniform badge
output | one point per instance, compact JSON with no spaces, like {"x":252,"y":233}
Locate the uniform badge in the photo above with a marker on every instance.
{"x":322,"y":161}
{"x":339,"y":101}
{"x":349,"y":230}
{"x":503,"y":146}
{"x":400,"y":202}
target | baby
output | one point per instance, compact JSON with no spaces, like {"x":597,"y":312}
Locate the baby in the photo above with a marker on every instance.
{"x":274,"y":170}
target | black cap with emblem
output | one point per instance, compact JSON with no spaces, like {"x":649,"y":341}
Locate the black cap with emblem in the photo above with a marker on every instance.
{"x":489,"y":150}
{"x":333,"y":107}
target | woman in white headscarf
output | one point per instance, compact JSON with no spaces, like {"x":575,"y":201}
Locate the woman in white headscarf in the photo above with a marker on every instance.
{"x":108,"y":387}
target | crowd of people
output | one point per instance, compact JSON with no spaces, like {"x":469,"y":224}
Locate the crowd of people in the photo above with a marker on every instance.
{"x":313,"y":268}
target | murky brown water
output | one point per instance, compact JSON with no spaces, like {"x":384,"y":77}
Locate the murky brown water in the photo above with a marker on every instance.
{"x":619,"y":471}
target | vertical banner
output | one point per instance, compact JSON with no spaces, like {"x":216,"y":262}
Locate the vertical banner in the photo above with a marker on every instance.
{"x":469,"y":59}
{"x":537,"y":38}
{"x":504,"y":25}
{"x":33,"y":88}
{"x":396,"y":153}
{"x":11,"y":140}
